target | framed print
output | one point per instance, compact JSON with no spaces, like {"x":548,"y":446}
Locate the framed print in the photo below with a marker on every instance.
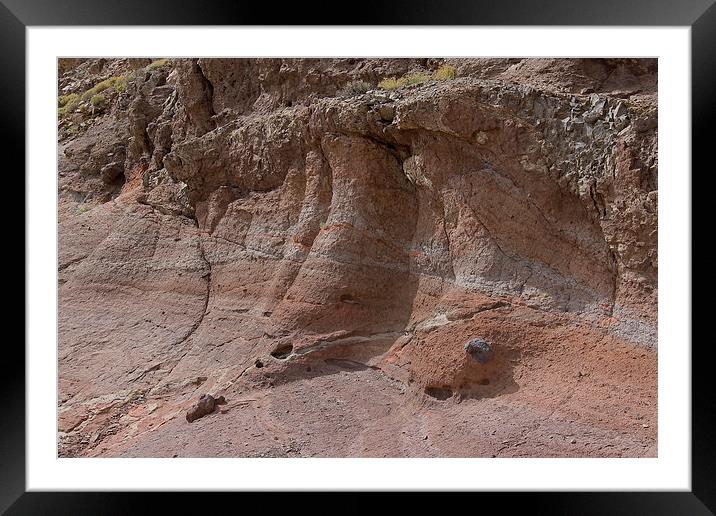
{"x":426,"y":251}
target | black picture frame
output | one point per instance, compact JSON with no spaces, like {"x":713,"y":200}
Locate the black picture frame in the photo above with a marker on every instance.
{"x":700,"y":15}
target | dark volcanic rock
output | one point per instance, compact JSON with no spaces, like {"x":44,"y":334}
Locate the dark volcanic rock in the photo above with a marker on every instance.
{"x":480,"y":350}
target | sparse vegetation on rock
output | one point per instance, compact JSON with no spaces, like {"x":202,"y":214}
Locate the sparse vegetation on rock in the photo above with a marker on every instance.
{"x":444,"y":73}
{"x":410,"y":79}
{"x":355,"y":88}
{"x":97,"y":100}
{"x":159,"y":63}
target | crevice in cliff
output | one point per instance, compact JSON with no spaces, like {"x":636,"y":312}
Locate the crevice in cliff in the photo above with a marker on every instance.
{"x":343,"y":340}
{"x":198,"y":322}
{"x":616,"y":276}
{"x":488,"y":308}
{"x":598,"y":202}
{"x":526,"y":280}
{"x":208,"y":89}
{"x":71,"y":262}
{"x":442,"y":319}
{"x":332,"y":350}
{"x":489,"y":234}
{"x":447,"y":239}
{"x":399,"y":151}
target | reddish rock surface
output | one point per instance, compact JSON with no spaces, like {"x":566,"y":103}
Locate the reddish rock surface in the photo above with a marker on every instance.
{"x":251,"y":228}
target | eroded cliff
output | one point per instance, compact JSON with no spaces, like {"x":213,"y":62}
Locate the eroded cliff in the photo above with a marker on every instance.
{"x":320,"y":253}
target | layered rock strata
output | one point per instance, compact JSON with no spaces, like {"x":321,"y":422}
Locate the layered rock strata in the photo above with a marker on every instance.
{"x":247,"y":227}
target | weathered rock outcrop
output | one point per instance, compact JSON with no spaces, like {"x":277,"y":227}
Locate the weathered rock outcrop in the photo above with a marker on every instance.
{"x":218,"y":211}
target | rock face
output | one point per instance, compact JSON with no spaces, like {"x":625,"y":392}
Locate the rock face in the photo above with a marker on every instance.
{"x":217,"y":214}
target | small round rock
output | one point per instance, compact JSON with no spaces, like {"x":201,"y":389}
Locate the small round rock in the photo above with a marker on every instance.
{"x":480,"y":350}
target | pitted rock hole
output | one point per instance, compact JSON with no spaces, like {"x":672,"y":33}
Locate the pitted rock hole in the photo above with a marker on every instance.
{"x":349,"y":299}
{"x":440,"y":393}
{"x":282,"y":351}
